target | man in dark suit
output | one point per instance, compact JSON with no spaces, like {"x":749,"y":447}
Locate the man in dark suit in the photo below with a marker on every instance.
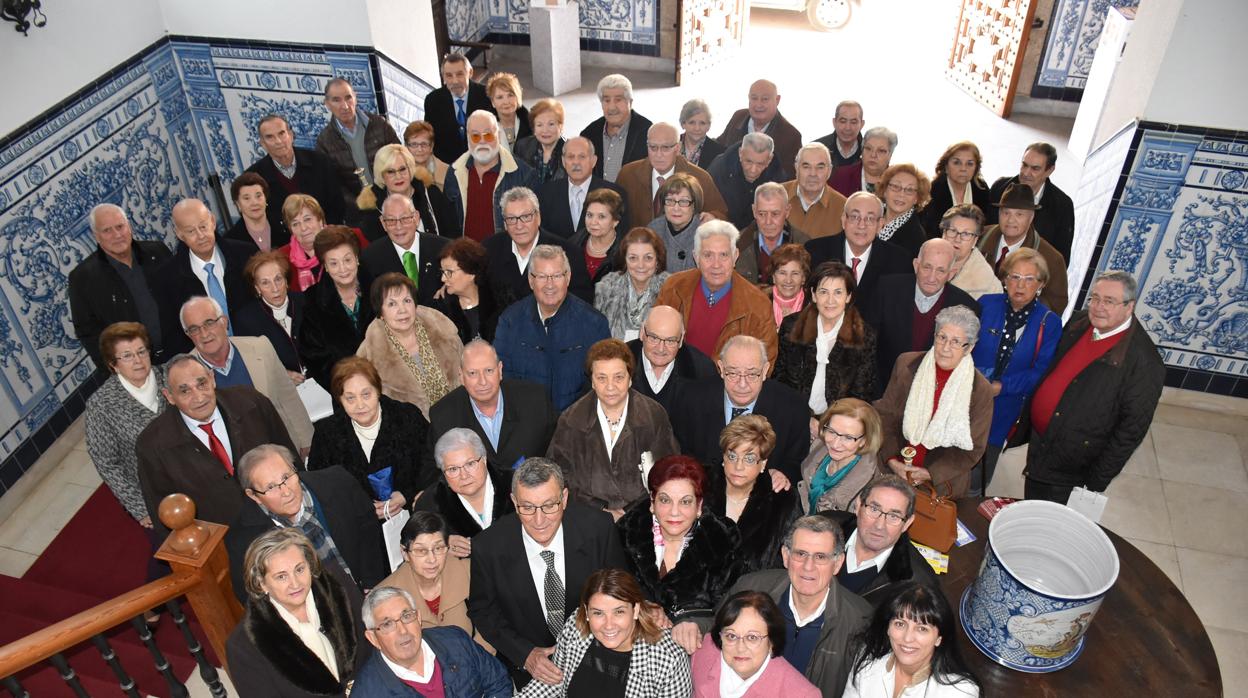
{"x":192,"y":449}
{"x":665,"y":363}
{"x":557,"y":197}
{"x":327,"y":505}
{"x":528,"y":569}
{"x":202,"y":265}
{"x":737,"y":173}
{"x":704,"y":407}
{"x":112,"y":285}
{"x":1055,"y":212}
{"x":903,"y":307}
{"x":506,"y":252}
{"x":290,"y":170}
{"x":447,"y":108}
{"x":641,"y":179}
{"x":763,"y":116}
{"x":860,"y":222}
{"x":514,"y":418}
{"x":409,"y":253}
{"x":619,"y":135}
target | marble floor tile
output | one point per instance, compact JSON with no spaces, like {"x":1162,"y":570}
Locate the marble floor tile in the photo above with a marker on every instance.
{"x":1216,"y":588}
{"x":1207,"y":518}
{"x":14,"y":563}
{"x":37,"y":521}
{"x":1199,"y":419}
{"x":1232,"y":649}
{"x":1137,"y":509}
{"x":1199,"y":457}
{"x":80,"y":470}
{"x":1144,"y":461}
{"x":1164,"y":556}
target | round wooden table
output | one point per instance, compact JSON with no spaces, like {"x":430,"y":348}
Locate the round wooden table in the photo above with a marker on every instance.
{"x":1145,"y":640}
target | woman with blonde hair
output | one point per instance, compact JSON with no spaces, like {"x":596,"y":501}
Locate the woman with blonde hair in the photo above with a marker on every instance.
{"x":395,"y":172}
{"x":543,"y":150}
{"x":843,"y":459}
{"x":507,"y":97}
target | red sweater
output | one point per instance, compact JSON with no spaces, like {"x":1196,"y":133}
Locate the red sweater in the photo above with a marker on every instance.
{"x":942,"y":377}
{"x":479,"y":204}
{"x":1080,"y":356}
{"x":706,"y":321}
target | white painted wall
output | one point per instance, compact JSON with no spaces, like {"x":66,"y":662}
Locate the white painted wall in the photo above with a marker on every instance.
{"x":307,"y":21}
{"x":403,"y":31}
{"x":1201,"y":80}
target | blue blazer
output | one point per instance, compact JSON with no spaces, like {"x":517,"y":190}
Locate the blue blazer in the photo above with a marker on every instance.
{"x":468,"y":671}
{"x":1033,"y":353}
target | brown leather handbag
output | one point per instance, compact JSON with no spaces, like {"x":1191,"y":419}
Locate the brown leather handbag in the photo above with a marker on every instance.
{"x":935,"y":517}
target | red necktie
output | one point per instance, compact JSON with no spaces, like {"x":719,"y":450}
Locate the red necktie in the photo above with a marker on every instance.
{"x":1005,"y":250}
{"x":854,"y":267}
{"x":218,"y":448}
{"x":658,"y":205}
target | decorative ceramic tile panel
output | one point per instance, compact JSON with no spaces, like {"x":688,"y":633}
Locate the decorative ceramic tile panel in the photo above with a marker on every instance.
{"x":1074,"y":31}
{"x":625,"y":21}
{"x":1102,"y":172}
{"x":405,"y":94}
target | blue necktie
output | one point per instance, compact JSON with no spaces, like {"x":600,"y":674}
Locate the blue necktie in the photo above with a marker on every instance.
{"x":460,"y":117}
{"x":218,"y":294}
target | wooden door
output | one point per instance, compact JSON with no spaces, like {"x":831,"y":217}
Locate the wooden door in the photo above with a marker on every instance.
{"x":710,"y":32}
{"x":988,"y":47}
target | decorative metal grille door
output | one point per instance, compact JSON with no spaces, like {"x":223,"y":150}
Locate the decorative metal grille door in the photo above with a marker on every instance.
{"x":710,"y":32}
{"x":988,"y":47}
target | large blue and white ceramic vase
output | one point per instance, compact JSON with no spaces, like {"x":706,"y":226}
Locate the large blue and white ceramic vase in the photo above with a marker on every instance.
{"x":1046,"y":569}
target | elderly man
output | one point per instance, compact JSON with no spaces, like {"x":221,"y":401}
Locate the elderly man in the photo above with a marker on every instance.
{"x":769,"y":230}
{"x":878,"y":146}
{"x":507,"y":256}
{"x":859,"y":247}
{"x":703,"y":408}
{"x":247,"y":361}
{"x":845,"y":141}
{"x":814,"y":207}
{"x":763,"y":116}
{"x":290,"y":170}
{"x":1096,"y":402}
{"x":513,"y":418}
{"x":353,"y":136}
{"x":619,"y":135}
{"x":202,"y":265}
{"x":411,"y":253}
{"x":1018,"y":213}
{"x":192,"y":449}
{"x":665,"y":362}
{"x":477,"y":179}
{"x":328,"y":505}
{"x":641,"y":179}
{"x":545,"y":338}
{"x":472,"y":493}
{"x":1055,"y":220}
{"x":821,"y":619}
{"x":903,"y":307}
{"x":740,"y":171}
{"x":715,"y":301}
{"x":112,"y":284}
{"x":563,"y":199}
{"x":447,"y":108}
{"x":415,"y":661}
{"x":528,"y":569}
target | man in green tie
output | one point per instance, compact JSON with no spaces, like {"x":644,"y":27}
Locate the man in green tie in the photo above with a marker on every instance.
{"x":411,"y":251}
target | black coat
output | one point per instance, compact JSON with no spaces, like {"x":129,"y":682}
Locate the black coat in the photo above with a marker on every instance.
{"x":98,"y":296}
{"x":762,"y":524}
{"x":552,"y":200}
{"x":256,"y":320}
{"x":488,"y":310}
{"x":173,"y":283}
{"x":524,"y":128}
{"x":442,"y":499}
{"x":1055,"y":221}
{"x":634,"y":144}
{"x":529,"y":151}
{"x":448,"y":142}
{"x":328,"y":334}
{"x":316,"y":175}
{"x":850,"y":371}
{"x":711,"y":149}
{"x":706,"y":569}
{"x":436,"y":214}
{"x":738,"y":193}
{"x":886,"y":258}
{"x":348,"y":518}
{"x":238,"y":233}
{"x":508,"y":280}
{"x":904,"y":564}
{"x":529,"y":422}
{"x":691,"y":365}
{"x":382,"y":258}
{"x":942,"y":201}
{"x":608,"y":265}
{"x":400,"y":446}
{"x":910,"y":236}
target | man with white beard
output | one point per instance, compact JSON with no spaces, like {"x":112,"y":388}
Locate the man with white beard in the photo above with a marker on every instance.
{"x":479,"y":177}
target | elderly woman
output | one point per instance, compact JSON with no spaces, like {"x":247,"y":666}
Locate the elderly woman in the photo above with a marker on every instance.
{"x":910,"y":648}
{"x":682,"y":201}
{"x":418,"y":138}
{"x":937,"y":404}
{"x":695,"y":145}
{"x":469,"y":299}
{"x":843,"y":459}
{"x":602,"y":438}
{"x":395,"y":172}
{"x":277,"y":313}
{"x":905,"y":191}
{"x":826,"y":351}
{"x":415,"y":349}
{"x":506,"y":96}
{"x":250,"y":194}
{"x":337,"y":311}
{"x":301,"y":634}
{"x":543,"y":151}
{"x":957,"y":182}
{"x":304,"y":219}
{"x":962,"y":226}
{"x":612,"y":646}
{"x":433,"y":576}
{"x":623,"y":296}
{"x":378,"y":440}
{"x":743,"y":655}
{"x":790,"y":265}
{"x":603,"y":210}
{"x":684,"y":556}
{"x":470,"y":495}
{"x":1018,"y":337}
{"x":744,"y":495}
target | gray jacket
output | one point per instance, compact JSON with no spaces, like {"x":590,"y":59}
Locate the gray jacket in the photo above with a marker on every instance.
{"x":114,"y":421}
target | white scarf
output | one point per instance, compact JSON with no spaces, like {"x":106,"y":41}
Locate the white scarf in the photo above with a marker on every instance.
{"x":367,"y":435}
{"x":951,"y":424}
{"x":281,"y":313}
{"x":147,"y":394}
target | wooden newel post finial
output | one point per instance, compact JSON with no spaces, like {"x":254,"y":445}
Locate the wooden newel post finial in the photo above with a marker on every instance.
{"x":177,"y":512}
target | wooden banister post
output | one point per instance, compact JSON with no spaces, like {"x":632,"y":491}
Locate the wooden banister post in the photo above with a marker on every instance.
{"x":198,"y":548}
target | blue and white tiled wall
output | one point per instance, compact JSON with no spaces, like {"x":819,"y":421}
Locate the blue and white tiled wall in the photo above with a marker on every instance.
{"x":144,"y":136}
{"x":613,"y":26}
{"x":1074,"y":32}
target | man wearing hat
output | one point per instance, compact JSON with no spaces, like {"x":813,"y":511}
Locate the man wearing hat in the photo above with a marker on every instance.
{"x":1056,"y":218}
{"x":1017,"y":214}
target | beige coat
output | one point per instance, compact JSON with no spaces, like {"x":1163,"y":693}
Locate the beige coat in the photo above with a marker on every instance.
{"x":977,"y":276}
{"x":397,"y":382}
{"x":270,"y":379}
{"x":453,"y":605}
{"x":841,"y":497}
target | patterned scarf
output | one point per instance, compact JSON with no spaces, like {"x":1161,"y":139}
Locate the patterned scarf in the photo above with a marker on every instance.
{"x":424,"y":366}
{"x":1015,"y":321}
{"x":306,"y":268}
{"x":308,"y":522}
{"x":692,"y":155}
{"x":891,"y":227}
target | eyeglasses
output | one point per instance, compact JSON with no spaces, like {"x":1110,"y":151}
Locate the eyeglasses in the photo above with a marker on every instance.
{"x":194,"y":330}
{"x":531,"y":509}
{"x":874,"y":511}
{"x":436,"y":551}
{"x":522,"y":218}
{"x":131,"y":356}
{"x":678,"y":203}
{"x":409,"y":218}
{"x":277,"y":485}
{"x":660,"y":147}
{"x":751,"y":640}
{"x":1019,"y":278}
{"x":945,"y":340}
{"x":391,"y":173}
{"x":821,"y":559}
{"x":447,"y":273}
{"x":1106,"y":302}
{"x":466,"y":469}
{"x":748,"y":459}
{"x":420,"y":145}
{"x":389,"y":625}
{"x":856,"y":219}
{"x":488,"y":137}
{"x":836,"y":435}
{"x":748,"y":376}
{"x":544,"y":278}
{"x":669,"y":342}
{"x":959,"y":234}
{"x":893,"y":187}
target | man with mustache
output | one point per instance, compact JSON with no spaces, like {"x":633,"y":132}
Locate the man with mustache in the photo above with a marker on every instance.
{"x":479,"y":177}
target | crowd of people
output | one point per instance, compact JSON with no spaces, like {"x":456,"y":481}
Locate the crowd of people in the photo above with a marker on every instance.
{"x":656,"y":404}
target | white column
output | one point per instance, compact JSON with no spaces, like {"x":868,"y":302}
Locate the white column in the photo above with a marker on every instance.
{"x":555,"y":38}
